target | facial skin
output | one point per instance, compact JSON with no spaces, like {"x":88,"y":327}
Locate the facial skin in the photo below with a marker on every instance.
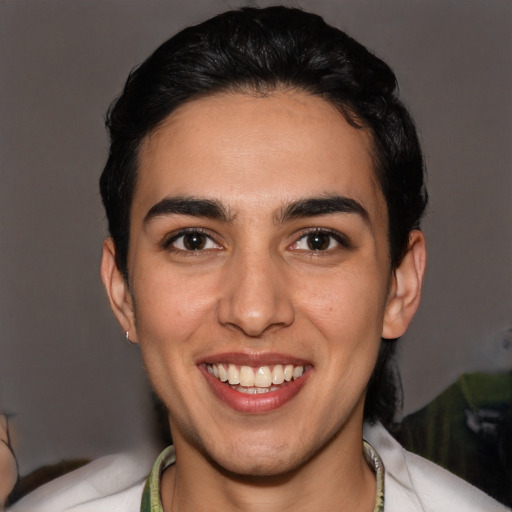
{"x":284,"y":260}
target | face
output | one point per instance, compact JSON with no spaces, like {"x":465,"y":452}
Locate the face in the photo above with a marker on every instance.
{"x":260,"y":282}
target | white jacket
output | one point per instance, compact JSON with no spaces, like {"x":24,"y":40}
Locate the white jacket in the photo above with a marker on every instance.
{"x":115,"y":484}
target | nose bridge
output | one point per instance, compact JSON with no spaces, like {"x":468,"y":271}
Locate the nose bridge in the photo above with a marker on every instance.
{"x":255,"y":297}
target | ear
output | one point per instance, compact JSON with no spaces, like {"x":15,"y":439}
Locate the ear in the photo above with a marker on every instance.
{"x":405,"y":288}
{"x":117,"y":290}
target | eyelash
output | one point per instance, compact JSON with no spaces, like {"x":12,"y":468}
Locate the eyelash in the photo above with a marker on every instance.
{"x":168,"y":242}
{"x":339,"y":238}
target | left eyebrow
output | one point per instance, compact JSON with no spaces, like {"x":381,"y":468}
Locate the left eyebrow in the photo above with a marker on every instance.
{"x":193,"y":206}
{"x":318,"y":206}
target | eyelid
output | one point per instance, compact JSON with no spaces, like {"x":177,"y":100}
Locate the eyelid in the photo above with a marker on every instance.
{"x":342,"y":239}
{"x":176,"y":235}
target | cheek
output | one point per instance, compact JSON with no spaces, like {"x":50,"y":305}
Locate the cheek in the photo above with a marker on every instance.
{"x":172,"y":308}
{"x":172,"y":315}
{"x":345,"y":305}
{"x":347,"y":311}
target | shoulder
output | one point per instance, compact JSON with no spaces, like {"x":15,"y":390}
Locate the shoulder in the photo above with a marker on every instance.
{"x":113,"y":483}
{"x":415,"y":484}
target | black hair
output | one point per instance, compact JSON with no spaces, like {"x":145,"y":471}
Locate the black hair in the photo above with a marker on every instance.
{"x":260,"y":51}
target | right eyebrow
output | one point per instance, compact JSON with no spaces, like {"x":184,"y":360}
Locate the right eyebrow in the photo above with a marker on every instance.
{"x":325,"y":205}
{"x":193,"y":206}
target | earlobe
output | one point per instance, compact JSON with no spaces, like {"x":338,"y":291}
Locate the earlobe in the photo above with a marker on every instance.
{"x":117,"y":290}
{"x":405,"y":289}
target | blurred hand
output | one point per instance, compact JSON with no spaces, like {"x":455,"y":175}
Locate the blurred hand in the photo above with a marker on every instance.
{"x":8,"y":467}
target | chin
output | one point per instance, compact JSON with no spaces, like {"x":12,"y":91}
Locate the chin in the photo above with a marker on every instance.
{"x":261,"y":467}
{"x":270,"y":459}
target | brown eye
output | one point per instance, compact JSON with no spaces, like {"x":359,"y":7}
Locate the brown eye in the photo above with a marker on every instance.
{"x":321,"y":240}
{"x":318,"y":241}
{"x":194,"y":241}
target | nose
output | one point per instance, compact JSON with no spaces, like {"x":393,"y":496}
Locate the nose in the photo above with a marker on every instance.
{"x":255,"y":298}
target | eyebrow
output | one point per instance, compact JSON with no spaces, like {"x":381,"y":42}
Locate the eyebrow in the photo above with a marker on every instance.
{"x":318,"y":206}
{"x":195,"y":207}
{"x":213,"y":209}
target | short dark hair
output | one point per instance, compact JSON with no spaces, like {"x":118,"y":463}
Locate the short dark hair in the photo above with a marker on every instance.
{"x":260,"y":51}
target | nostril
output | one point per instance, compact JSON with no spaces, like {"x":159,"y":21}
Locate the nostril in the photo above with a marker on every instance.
{"x":254,"y":298}
{"x":255,"y":322}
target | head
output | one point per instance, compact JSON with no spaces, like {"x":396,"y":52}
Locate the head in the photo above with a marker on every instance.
{"x":258,"y":53}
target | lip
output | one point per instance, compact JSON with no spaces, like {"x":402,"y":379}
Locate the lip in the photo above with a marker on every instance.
{"x":258,"y":403}
{"x":252,"y":359}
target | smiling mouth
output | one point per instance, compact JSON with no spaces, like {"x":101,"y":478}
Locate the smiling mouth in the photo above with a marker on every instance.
{"x":255,"y":380}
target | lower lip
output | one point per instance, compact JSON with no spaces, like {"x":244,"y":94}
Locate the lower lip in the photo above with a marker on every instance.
{"x":258,"y":403}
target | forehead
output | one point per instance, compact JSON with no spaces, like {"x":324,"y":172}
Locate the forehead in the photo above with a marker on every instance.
{"x":251,"y":150}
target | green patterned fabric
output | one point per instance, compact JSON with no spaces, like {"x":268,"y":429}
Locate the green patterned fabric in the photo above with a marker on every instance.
{"x":467,"y":429}
{"x":375,"y":462}
{"x":151,"y":495}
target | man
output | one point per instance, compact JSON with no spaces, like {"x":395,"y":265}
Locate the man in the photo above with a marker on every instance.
{"x":264,"y":191}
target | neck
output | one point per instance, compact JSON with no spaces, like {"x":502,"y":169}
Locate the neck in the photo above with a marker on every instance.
{"x":336,"y":478}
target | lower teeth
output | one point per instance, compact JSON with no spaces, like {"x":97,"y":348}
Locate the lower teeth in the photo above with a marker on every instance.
{"x":254,"y":391}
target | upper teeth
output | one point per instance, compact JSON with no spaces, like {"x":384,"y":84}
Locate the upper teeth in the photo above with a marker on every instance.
{"x":261,"y":377}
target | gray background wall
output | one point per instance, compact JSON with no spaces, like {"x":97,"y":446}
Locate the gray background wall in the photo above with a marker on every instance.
{"x":72,"y":386}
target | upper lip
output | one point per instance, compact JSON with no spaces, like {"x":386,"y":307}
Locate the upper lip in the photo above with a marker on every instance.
{"x":253,"y":359}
